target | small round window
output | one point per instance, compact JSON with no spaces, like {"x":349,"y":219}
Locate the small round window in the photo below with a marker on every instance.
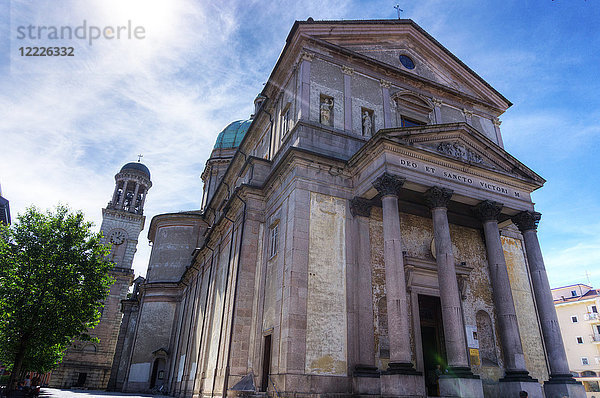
{"x":407,"y":62}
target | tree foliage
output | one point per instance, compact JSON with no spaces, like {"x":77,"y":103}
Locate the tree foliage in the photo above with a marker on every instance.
{"x":53,"y":277}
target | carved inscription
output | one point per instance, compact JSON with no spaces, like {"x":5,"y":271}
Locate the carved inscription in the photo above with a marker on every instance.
{"x":461,"y":178}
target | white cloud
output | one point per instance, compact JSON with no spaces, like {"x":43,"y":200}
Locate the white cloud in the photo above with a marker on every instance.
{"x":68,"y":125}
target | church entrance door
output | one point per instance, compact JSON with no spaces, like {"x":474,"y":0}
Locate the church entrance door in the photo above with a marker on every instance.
{"x":266,"y":364}
{"x":432,"y":338}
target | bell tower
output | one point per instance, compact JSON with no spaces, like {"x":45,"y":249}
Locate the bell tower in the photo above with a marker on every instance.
{"x":123,"y":218}
{"x":87,"y":364}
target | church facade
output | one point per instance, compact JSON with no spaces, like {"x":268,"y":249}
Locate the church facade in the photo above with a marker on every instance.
{"x":88,"y":364}
{"x":365,"y":233}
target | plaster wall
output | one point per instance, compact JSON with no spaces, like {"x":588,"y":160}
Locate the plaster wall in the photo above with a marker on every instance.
{"x":531,"y":338}
{"x":326,"y":345}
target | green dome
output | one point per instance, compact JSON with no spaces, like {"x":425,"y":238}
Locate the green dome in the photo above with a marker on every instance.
{"x":232,"y":135}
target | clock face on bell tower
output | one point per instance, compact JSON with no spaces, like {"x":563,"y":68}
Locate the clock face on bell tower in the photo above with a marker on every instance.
{"x":117,"y":236}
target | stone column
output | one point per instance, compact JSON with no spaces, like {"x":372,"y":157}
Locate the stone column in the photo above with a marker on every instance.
{"x":387,"y":114}
{"x":114,"y":197}
{"x":456,"y":348}
{"x":144,"y":192}
{"x":514,"y":360}
{"x":134,"y":199}
{"x":123,"y":193}
{"x":497,"y":122}
{"x":305,"y":63}
{"x":347,"y":97}
{"x":557,"y":358}
{"x":437,"y":110}
{"x":459,"y":381}
{"x":388,"y":186}
{"x":365,"y":372}
{"x":468,"y":116}
{"x":516,"y":376}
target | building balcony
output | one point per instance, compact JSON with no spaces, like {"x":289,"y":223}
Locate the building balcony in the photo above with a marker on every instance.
{"x":593,"y":317}
{"x":595,"y":338}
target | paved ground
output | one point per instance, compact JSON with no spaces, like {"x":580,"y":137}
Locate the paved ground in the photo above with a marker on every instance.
{"x":55,"y":393}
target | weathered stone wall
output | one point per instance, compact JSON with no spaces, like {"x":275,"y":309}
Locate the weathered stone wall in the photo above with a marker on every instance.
{"x":535,"y":358}
{"x":326,"y":345}
{"x":171,"y":252}
{"x":366,"y":93}
{"x":468,"y":247}
{"x":153,"y":333}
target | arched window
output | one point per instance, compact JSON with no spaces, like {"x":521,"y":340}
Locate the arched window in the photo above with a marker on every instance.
{"x":588,"y":373}
{"x":487,"y":342}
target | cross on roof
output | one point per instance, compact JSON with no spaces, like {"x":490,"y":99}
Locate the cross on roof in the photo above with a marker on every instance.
{"x":140,"y":157}
{"x":397,"y":7}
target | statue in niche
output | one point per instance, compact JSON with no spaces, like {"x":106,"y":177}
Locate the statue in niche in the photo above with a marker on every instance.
{"x":326,"y":111}
{"x":367,"y":123}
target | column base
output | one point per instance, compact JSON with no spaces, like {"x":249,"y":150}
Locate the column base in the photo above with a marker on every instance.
{"x":401,"y":368}
{"x":463,"y":387}
{"x":365,"y":371}
{"x":365,"y":380}
{"x":511,"y":388}
{"x":462,"y":372}
{"x":403,"y":385}
{"x":517,"y":376}
{"x":563,"y":385}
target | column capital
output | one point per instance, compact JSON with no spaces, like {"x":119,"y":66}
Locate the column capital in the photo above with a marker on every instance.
{"x":467,"y":112}
{"x":438,"y":197}
{"x":385,"y":83}
{"x":488,"y":210}
{"x":360,"y":207}
{"x":307,"y":56}
{"x":497,"y":122}
{"x":388,"y":184}
{"x":346,"y":70}
{"x":526,"y":220}
{"x":437,"y":102}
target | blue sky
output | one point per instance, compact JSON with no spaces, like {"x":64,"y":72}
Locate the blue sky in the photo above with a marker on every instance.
{"x":67,"y":124}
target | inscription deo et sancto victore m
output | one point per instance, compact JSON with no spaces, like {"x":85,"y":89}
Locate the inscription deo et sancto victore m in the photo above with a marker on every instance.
{"x":450,"y":175}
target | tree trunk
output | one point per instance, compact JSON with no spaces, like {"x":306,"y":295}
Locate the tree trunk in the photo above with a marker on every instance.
{"x":16,"y":371}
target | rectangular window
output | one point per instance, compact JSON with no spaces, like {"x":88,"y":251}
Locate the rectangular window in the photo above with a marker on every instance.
{"x":594,"y":309}
{"x":273,"y":240}
{"x":579,"y":340}
{"x":573,"y":293}
{"x":584,"y":361}
{"x":574,"y":319}
{"x":406,"y":122}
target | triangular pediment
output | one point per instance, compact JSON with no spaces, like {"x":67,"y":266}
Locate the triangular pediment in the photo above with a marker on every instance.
{"x":460,"y":142}
{"x":386,"y":41}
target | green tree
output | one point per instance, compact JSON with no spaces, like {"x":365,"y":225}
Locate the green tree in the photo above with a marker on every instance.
{"x":53,"y":277}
